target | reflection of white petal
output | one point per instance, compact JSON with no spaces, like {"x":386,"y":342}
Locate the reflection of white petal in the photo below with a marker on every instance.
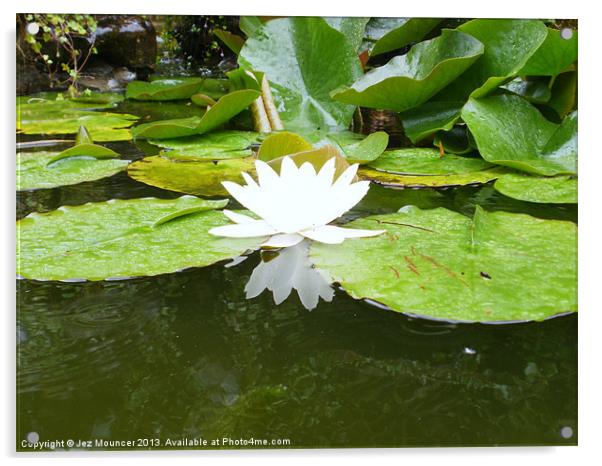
{"x":238,"y":218}
{"x":283,"y":240}
{"x":244,"y":230}
{"x":331,"y":234}
{"x":290,"y":269}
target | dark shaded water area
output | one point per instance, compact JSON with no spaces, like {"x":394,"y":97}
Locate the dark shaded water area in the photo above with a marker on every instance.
{"x":187,"y":355}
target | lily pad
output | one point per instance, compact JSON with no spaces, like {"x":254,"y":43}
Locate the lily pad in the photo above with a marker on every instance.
{"x":428,"y":118}
{"x":225,"y":108}
{"x":411,"y":79}
{"x":163,"y":89}
{"x":554,"y":56}
{"x":38,"y":170}
{"x":536,"y":91}
{"x":368,"y":149}
{"x":510,"y":131}
{"x":280,"y":144}
{"x":304,"y":59}
{"x":424,"y":161}
{"x":548,"y":190}
{"x":495,"y":267}
{"x":65,"y":116}
{"x":123,"y":239}
{"x":509,"y":43}
{"x":352,"y":27}
{"x":199,"y":177}
{"x":210,"y":146}
{"x":429,"y":181}
{"x":386,"y":34}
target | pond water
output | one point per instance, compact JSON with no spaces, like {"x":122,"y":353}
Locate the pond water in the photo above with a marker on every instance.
{"x":186,"y":355}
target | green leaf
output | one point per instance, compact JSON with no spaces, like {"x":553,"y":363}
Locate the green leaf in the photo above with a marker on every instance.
{"x":304,"y":59}
{"x":226,"y":107}
{"x":495,"y":267}
{"x":163,"y":89}
{"x":210,"y":146}
{"x":49,"y":115}
{"x":509,"y":131}
{"x":410,"y":80}
{"x":280,"y":144}
{"x":553,"y":57}
{"x":536,"y":91}
{"x":93,"y":151}
{"x":368,"y":149}
{"x":429,"y":181}
{"x":564,"y":93}
{"x":199,"y":177}
{"x":386,"y":34}
{"x":423,"y":161}
{"x":39,"y":170}
{"x":351,"y":27}
{"x":232,"y":41}
{"x":123,"y":239}
{"x":428,"y":118}
{"x":509,"y":43}
{"x":249,"y":25}
{"x":552,"y":190}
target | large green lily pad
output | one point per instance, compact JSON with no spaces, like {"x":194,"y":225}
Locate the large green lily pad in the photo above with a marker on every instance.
{"x":210,"y":146}
{"x":509,"y":43}
{"x":510,"y":131}
{"x":199,"y":177}
{"x":352,"y":28}
{"x":495,"y":267}
{"x":429,"y":181}
{"x":123,"y":239}
{"x":424,"y":161}
{"x":38,"y":170}
{"x":548,"y":190}
{"x":49,"y":115}
{"x":304,"y":60}
{"x":554,"y":56}
{"x":163,"y":89}
{"x":225,"y":108}
{"x":386,"y":34}
{"x":411,"y":79}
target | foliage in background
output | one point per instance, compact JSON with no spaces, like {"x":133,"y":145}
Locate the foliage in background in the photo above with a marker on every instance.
{"x":63,"y":45}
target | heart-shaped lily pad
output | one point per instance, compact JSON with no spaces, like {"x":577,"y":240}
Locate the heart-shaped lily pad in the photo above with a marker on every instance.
{"x":304,"y":59}
{"x":495,"y":267}
{"x":424,"y":161}
{"x":210,"y":146}
{"x":411,"y":79}
{"x":554,"y":56}
{"x":225,"y":108}
{"x":163,"y":89}
{"x":123,"y":239}
{"x":199,"y":177}
{"x":38,"y":170}
{"x":510,"y":131}
{"x":550,"y":190}
{"x":51,"y":113}
{"x":428,"y":118}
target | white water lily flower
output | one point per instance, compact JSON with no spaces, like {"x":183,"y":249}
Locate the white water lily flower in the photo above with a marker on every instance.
{"x":295,"y":205}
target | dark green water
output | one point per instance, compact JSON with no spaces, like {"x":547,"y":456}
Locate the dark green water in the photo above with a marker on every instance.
{"x":186,"y":355}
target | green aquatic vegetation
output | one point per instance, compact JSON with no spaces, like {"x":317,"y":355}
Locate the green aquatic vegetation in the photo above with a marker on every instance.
{"x":285,"y":50}
{"x":385,"y":34}
{"x":42,"y":170}
{"x":494,"y":267}
{"x":423,"y":161}
{"x":123,"y":239}
{"x":510,"y":131}
{"x":545,"y":190}
{"x":224,"y":109}
{"x":554,"y":56}
{"x":175,"y":88}
{"x":55,"y":114}
{"x":198,"y":177}
{"x":410,"y":80}
{"x":210,"y":146}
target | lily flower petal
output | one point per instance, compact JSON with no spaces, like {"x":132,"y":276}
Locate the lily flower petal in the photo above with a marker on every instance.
{"x":238,"y":218}
{"x":331,"y":234}
{"x":283,"y":240}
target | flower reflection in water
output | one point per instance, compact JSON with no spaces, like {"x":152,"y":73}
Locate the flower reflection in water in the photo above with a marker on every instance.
{"x":290,"y":268}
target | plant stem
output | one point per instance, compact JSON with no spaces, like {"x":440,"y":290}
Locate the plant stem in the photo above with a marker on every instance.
{"x":270,"y":107}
